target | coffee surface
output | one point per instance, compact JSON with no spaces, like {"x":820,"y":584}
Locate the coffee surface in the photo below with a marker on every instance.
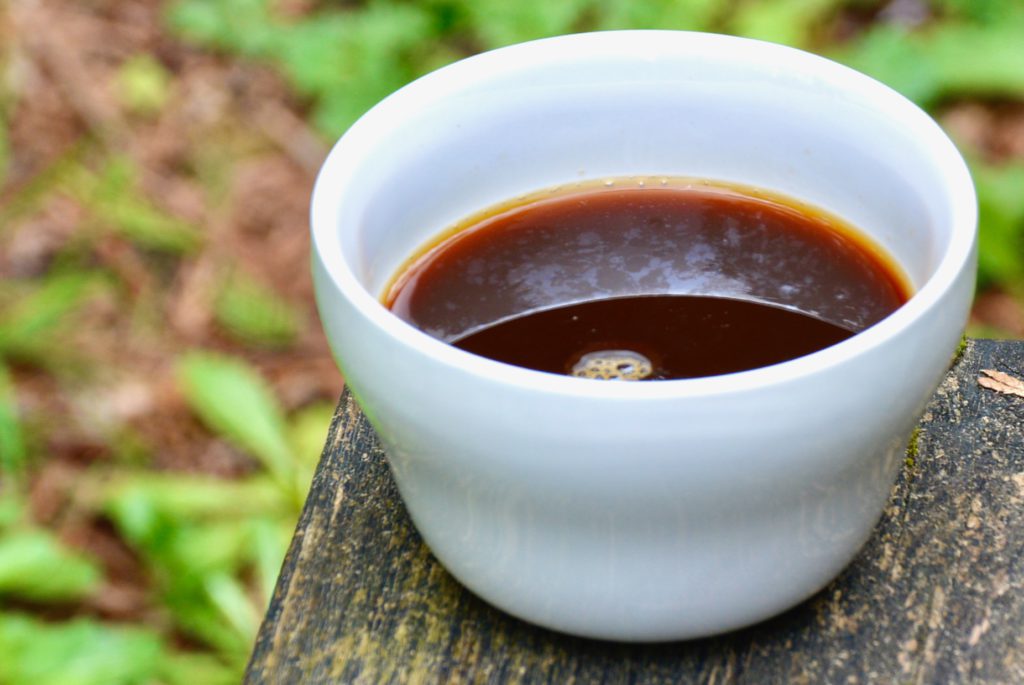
{"x":654,"y":337}
{"x":669,"y":280}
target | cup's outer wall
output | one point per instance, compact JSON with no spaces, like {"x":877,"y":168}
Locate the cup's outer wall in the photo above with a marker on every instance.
{"x":676,"y":509}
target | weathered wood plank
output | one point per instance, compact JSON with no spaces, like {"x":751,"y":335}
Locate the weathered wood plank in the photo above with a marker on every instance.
{"x":937,"y":595}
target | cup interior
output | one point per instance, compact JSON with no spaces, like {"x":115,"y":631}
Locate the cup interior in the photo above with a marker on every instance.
{"x":616,"y":104}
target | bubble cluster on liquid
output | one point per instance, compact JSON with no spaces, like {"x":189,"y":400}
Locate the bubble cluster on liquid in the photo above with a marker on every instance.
{"x":608,"y":365}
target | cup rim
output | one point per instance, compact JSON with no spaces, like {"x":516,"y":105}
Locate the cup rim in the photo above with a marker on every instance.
{"x":344,"y":158}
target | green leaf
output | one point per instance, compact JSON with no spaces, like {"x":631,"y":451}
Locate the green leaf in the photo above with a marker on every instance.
{"x":345,"y":61}
{"x":1000,"y":223}
{"x":501,"y":23}
{"x":5,"y":146}
{"x":213,"y":547}
{"x":269,"y":542}
{"x":254,"y":313}
{"x":195,"y":614}
{"x":335,"y":112}
{"x":30,"y":324}
{"x":34,"y":565}
{"x":895,"y":57}
{"x":985,"y":12}
{"x":695,"y":15}
{"x":117,"y":204}
{"x":242,"y":26}
{"x":235,"y":402}
{"x":30,"y":195}
{"x":320,"y":55}
{"x":77,"y":652}
{"x":143,"y":84}
{"x":790,"y":22}
{"x":308,"y":431}
{"x":199,"y":669}
{"x":13,"y":452}
{"x":349,"y":61}
{"x":944,"y":59}
{"x":144,"y":505}
{"x":11,"y":507}
{"x":193,"y":533}
{"x":980,"y":60}
{"x":230,"y":599}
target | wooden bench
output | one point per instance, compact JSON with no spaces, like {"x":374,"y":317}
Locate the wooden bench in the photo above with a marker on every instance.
{"x":936,"y":596}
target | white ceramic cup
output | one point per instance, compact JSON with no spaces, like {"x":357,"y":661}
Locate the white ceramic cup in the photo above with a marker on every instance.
{"x":667,"y":509}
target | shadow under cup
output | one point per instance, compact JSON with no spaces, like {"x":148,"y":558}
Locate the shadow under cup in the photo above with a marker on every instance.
{"x":680,"y":508}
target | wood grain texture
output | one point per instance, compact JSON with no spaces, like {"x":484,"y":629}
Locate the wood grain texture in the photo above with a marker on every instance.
{"x":936,"y":596}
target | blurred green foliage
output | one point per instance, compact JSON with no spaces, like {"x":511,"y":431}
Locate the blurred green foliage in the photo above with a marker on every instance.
{"x":952,"y":59}
{"x":235,"y":402}
{"x":35,"y":566}
{"x":85,"y":652}
{"x":1001,"y":224}
{"x":13,"y":452}
{"x":200,"y":537}
{"x":254,"y":313}
{"x":34,"y":316}
{"x":213,"y":547}
{"x":143,"y":85}
{"x":345,"y":60}
{"x":5,"y":146}
{"x":116,"y":204}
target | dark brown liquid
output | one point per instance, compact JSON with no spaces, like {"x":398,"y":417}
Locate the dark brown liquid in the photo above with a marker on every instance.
{"x":654,"y":337}
{"x":671,"y":281}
